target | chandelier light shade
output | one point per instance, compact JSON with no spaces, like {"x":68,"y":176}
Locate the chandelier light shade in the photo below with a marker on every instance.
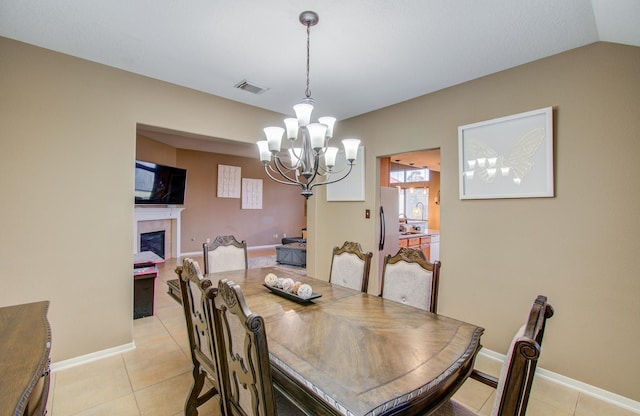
{"x":309,"y":160}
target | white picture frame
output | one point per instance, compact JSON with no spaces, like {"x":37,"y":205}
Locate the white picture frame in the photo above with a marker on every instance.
{"x":251,"y":193}
{"x":507,"y":157}
{"x":350,"y":188}
{"x":229,"y":181}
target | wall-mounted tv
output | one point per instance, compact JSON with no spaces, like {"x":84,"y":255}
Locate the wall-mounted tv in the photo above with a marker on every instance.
{"x":159,"y":185}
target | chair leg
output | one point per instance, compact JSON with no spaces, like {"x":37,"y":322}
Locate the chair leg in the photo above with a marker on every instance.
{"x":191,"y":405}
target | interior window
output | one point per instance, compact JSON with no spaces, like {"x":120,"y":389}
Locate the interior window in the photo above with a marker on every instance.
{"x":413,"y":203}
{"x":413,"y":183}
{"x":407,"y":174}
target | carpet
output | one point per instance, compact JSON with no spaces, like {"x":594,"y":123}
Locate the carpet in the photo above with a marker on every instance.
{"x":270,"y":261}
{"x":265,"y":261}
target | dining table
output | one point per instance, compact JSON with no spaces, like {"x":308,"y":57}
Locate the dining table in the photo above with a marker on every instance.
{"x":350,"y":353}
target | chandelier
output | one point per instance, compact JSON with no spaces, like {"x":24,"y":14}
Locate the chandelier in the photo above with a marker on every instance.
{"x":311,"y":161}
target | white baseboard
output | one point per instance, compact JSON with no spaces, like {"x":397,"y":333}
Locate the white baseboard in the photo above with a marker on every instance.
{"x":199,"y":253}
{"x":262,"y":247}
{"x":98,"y":355}
{"x":596,"y":392}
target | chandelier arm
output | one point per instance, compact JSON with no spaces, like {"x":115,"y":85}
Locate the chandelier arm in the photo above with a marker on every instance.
{"x":332,"y":171}
{"x":330,"y":182}
{"x":290,"y":181}
{"x":278,"y":164}
{"x":284,"y":166}
{"x":271,"y":171}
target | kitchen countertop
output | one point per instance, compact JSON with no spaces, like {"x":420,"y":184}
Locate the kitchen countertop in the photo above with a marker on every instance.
{"x":427,"y":233}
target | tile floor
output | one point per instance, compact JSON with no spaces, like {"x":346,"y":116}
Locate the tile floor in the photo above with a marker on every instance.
{"x":155,"y":378}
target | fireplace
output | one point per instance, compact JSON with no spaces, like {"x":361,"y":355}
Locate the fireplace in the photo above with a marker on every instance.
{"x":153,"y":241}
{"x":150,"y":219}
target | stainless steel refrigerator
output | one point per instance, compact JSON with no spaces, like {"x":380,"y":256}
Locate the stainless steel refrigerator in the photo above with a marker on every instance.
{"x":388,"y":227}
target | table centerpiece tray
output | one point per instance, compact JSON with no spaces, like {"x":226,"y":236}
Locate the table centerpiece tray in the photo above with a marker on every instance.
{"x":291,"y":296}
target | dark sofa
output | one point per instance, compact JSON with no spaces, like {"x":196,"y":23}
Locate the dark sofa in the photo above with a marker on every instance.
{"x":289,"y":240}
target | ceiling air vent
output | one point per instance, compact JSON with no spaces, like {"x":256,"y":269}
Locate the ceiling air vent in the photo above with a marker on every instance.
{"x":247,"y":86}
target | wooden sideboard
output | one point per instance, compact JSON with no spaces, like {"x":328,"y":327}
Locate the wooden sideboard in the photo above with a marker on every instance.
{"x":25,"y":343}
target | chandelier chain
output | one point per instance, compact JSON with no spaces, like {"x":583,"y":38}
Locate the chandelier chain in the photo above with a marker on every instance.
{"x":308,"y":90}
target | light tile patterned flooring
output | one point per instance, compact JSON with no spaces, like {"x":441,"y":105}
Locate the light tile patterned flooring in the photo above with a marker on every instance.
{"x":155,"y":378}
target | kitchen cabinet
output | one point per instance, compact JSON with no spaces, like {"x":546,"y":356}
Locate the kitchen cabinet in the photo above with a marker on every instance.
{"x":419,"y":241}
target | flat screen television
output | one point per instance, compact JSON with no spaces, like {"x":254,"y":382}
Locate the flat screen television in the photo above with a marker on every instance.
{"x":159,"y":185}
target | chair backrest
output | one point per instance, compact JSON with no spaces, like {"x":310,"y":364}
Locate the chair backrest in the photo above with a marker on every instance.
{"x":243,"y":355}
{"x":514,"y":383}
{"x":197,"y":294}
{"x":224,"y":253}
{"x":408,"y":277}
{"x":350,"y":266}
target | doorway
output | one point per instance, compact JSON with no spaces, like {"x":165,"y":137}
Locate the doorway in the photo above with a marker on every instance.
{"x":400,"y":174}
{"x":417,"y":176}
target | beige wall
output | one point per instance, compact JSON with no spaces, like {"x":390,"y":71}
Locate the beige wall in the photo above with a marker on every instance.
{"x":69,"y":126}
{"x":579,"y":248}
{"x":67,"y":147}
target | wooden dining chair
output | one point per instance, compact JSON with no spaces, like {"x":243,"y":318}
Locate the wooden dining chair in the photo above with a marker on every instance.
{"x":350,"y":266}
{"x":409,"y":278}
{"x":224,"y":253}
{"x":243,"y":358}
{"x":514,"y":384}
{"x":197,"y":293}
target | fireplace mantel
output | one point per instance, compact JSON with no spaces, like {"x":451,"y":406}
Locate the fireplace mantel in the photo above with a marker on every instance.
{"x":159,"y":213}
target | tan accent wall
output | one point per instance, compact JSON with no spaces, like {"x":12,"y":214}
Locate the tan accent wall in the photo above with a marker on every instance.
{"x":207,"y":216}
{"x":579,"y":248}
